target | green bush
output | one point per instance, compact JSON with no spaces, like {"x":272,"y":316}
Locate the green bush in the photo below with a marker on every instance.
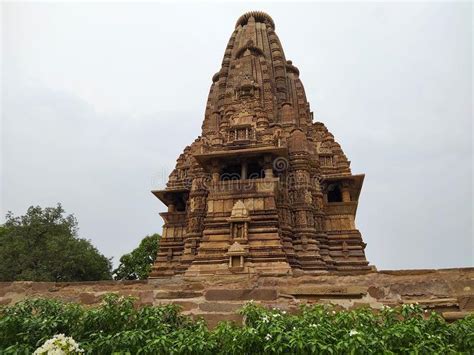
{"x":118,"y":326}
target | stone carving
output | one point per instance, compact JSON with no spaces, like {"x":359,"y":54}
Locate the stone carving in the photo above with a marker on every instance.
{"x":265,"y":219}
{"x":239,"y":210}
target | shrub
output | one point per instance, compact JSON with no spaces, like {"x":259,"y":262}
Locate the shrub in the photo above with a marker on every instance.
{"x":118,"y":326}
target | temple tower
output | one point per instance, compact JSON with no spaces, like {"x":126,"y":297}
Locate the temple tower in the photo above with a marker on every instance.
{"x":264,"y":189}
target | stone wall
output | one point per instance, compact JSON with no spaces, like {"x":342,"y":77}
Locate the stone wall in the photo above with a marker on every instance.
{"x":448,"y":291}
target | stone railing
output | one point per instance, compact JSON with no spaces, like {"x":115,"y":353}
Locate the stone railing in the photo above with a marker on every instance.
{"x":244,"y":186}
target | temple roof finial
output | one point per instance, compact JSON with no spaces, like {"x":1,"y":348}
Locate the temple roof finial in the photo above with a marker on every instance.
{"x":259,"y":16}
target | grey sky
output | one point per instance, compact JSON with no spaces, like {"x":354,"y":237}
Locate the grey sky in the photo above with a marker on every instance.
{"x":99,"y":99}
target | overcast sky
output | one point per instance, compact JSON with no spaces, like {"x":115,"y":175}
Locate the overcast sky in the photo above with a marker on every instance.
{"x":99,"y":99}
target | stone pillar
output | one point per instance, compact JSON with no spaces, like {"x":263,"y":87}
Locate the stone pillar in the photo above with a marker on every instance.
{"x":305,"y":236}
{"x":215,"y":172}
{"x":243,"y":174}
{"x":195,"y":216}
{"x":267,"y":166}
{"x":346,"y":195}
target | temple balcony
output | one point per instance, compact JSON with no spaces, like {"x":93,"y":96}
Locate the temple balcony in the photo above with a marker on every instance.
{"x":244,"y":186}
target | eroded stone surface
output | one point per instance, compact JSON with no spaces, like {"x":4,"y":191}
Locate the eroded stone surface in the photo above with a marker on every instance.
{"x":223,"y":295}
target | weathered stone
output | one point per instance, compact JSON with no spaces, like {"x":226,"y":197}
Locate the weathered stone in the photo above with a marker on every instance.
{"x":213,"y":319}
{"x":376,"y":292}
{"x":222,"y":294}
{"x":466,"y":303}
{"x":42,"y":286}
{"x":5,"y":301}
{"x":219,"y":307}
{"x":418,"y":288}
{"x":452,"y":316}
{"x":146,"y":297}
{"x":185,"y":306}
{"x":241,"y":294}
{"x":88,"y":298}
{"x":326,"y":291}
{"x":176,"y":294}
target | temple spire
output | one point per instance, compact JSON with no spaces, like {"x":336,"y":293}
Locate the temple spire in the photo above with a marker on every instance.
{"x":264,"y":189}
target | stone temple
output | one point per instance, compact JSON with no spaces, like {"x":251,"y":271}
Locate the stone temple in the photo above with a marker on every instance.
{"x":264,"y":189}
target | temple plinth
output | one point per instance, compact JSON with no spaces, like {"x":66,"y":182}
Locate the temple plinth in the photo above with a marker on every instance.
{"x":263,"y":189}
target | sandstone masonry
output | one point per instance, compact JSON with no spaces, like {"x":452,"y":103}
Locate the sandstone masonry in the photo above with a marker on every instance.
{"x":264,"y":189}
{"x":449,"y":291}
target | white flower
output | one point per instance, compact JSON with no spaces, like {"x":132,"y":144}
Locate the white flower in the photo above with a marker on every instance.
{"x":283,"y":312}
{"x":265,"y":319}
{"x":333,"y":312}
{"x":312,"y":325}
{"x":59,"y":345}
{"x":353,"y":332}
{"x":268,"y":337}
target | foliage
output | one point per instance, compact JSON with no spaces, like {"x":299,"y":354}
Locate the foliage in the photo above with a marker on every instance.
{"x":117,"y":326}
{"x":43,"y":245}
{"x":137,"y":264}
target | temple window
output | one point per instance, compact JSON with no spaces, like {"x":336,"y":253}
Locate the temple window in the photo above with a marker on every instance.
{"x":180,"y":206}
{"x":325,"y":160}
{"x":235,"y":261}
{"x":334,"y":193}
{"x":255,"y":171}
{"x":231,"y":172}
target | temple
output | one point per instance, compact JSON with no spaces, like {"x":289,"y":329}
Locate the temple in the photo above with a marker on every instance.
{"x":264,"y":189}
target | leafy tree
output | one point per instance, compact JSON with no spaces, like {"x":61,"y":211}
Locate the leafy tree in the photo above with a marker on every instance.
{"x":137,"y":264}
{"x":43,"y":245}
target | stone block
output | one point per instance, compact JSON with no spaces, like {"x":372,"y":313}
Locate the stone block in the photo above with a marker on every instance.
{"x":326,"y":291}
{"x":421,"y":288}
{"x":218,"y":206}
{"x":42,"y":286}
{"x":186,"y":306}
{"x":258,"y":204}
{"x":249,"y":204}
{"x":453,"y":316}
{"x":5,"y":301}
{"x":213,"y":319}
{"x":376,"y":292}
{"x":263,"y":294}
{"x":228,"y":204}
{"x":220,"y":307}
{"x":88,"y":298}
{"x":146,"y":297}
{"x":466,"y":303}
{"x":176,"y":294}
{"x":269,"y":203}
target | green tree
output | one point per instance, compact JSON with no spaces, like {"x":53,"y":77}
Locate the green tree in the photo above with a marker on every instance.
{"x":137,"y":264}
{"x":43,"y":245}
